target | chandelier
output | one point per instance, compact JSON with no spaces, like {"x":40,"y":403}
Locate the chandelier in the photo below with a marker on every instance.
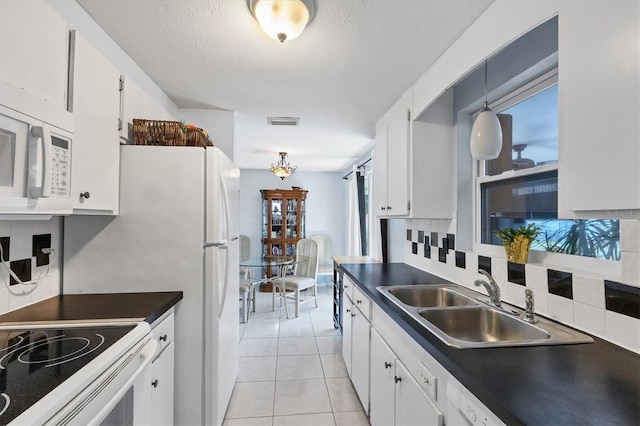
{"x":282,"y":168}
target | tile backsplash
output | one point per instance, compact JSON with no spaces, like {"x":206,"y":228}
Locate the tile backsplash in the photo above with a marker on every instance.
{"x":605,"y":306}
{"x":21,"y":242}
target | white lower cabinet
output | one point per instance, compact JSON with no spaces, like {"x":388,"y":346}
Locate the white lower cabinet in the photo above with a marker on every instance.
{"x":162,"y":371}
{"x":396,"y":397}
{"x":162,"y":383}
{"x":356,"y":335}
{"x":347,"y":309}
{"x":383,"y":372}
{"x":360,"y":341}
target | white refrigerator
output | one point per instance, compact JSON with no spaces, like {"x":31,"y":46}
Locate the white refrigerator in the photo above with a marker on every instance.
{"x":177,"y":229}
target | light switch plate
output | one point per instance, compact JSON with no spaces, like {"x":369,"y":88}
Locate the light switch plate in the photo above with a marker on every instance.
{"x":428,"y":382}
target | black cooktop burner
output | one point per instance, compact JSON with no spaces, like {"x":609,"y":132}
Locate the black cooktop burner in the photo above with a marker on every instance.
{"x":33,"y":362}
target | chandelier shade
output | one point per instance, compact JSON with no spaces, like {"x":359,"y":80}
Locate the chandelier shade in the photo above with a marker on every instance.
{"x":283,"y":19}
{"x":282,"y":168}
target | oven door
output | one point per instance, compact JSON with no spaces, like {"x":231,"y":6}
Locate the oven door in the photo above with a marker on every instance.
{"x":120,"y":394}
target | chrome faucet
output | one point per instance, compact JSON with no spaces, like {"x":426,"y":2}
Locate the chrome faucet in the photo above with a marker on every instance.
{"x":492,"y":288}
{"x":529,"y":314}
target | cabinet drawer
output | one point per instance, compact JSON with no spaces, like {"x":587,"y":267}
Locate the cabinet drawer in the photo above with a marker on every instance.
{"x":348,"y":287}
{"x":163,"y":332}
{"x":362,"y":302}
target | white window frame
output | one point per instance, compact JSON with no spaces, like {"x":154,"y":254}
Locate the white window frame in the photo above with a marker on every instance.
{"x":601,"y":267}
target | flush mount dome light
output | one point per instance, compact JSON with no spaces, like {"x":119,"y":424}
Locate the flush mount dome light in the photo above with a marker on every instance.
{"x":283,"y":19}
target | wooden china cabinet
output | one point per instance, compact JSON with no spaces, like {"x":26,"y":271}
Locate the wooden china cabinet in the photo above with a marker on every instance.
{"x":282,"y":223}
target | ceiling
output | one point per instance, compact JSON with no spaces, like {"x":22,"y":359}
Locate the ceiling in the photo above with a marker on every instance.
{"x":347,"y":68}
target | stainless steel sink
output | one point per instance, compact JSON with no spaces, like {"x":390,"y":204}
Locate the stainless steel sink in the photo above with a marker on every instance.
{"x":482,"y":325}
{"x":429,"y":296}
{"x":461,"y":318}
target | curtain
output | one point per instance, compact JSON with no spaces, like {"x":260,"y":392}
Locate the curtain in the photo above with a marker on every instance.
{"x":354,"y":247}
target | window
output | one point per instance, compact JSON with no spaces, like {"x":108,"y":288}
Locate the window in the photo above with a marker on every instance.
{"x":521,"y":185}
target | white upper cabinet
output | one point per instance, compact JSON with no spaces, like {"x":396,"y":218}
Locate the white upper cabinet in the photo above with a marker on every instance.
{"x":432,"y":161}
{"x":599,"y":108}
{"x":34,"y":49}
{"x":380,"y":169}
{"x":95,"y":169}
{"x":414,"y":160}
{"x":136,"y":103}
{"x":391,"y":171}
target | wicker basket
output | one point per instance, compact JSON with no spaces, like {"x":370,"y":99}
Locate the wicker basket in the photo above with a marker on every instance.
{"x":197,"y":137}
{"x":156,"y":132}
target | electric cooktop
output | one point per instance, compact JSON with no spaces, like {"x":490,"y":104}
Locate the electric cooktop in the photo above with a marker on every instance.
{"x":34,"y":361}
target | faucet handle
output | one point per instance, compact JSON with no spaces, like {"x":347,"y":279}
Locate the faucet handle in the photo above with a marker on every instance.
{"x":529,"y":312}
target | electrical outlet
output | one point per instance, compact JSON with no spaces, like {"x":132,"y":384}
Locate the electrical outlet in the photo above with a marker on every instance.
{"x":427,"y":381}
{"x":40,"y":242}
{"x":5,"y":248}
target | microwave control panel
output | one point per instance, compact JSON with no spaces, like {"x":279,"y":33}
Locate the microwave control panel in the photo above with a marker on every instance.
{"x":60,"y":167}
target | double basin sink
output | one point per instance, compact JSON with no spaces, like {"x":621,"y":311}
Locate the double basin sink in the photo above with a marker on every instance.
{"x":463,"y":319}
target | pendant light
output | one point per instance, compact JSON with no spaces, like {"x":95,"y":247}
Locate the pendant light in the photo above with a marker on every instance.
{"x":486,"y":134}
{"x":283,"y":19}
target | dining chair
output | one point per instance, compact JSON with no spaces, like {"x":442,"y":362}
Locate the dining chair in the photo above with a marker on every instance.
{"x":305,"y":274}
{"x":325,"y":263}
{"x":247,"y":285}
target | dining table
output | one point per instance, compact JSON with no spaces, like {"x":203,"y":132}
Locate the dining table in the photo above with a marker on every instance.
{"x":263,"y":263}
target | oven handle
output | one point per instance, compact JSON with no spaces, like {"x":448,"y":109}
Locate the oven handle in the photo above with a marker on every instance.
{"x":146,"y":356}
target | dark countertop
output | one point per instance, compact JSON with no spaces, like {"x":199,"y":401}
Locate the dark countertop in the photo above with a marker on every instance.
{"x":594,"y":383}
{"x":93,"y":307}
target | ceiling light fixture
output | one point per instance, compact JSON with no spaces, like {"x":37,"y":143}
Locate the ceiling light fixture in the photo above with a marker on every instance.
{"x":282,"y":168}
{"x":486,"y":134}
{"x":283,"y":19}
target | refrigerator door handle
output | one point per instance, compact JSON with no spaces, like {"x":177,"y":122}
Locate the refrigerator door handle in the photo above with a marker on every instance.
{"x":227,"y":211}
{"x":220,"y":244}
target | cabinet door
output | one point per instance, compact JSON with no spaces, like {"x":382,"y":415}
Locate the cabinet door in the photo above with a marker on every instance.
{"x":136,"y":103}
{"x":360,"y":344}
{"x":382,"y":384}
{"x":347,"y":316}
{"x":599,"y":64}
{"x":380,"y":170}
{"x":34,"y":48}
{"x":95,"y":170}
{"x":432,"y":161}
{"x":162,"y":388}
{"x":397,"y":164}
{"x":413,"y":406}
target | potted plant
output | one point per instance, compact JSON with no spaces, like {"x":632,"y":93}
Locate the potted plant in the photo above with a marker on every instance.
{"x":517,"y":241}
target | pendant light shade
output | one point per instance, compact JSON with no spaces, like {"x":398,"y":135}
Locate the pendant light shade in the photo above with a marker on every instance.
{"x":486,"y":134}
{"x":283,"y":19}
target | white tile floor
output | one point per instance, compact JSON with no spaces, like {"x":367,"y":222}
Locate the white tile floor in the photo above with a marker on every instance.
{"x":291,"y":370}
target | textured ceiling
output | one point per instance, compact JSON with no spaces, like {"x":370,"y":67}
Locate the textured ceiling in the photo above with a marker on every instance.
{"x":346,"y":69}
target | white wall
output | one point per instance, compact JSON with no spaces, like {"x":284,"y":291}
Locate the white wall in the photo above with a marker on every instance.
{"x":324,"y":206}
{"x":218,"y":124}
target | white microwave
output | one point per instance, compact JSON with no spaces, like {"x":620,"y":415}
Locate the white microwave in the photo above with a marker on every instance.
{"x":36,"y":140}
